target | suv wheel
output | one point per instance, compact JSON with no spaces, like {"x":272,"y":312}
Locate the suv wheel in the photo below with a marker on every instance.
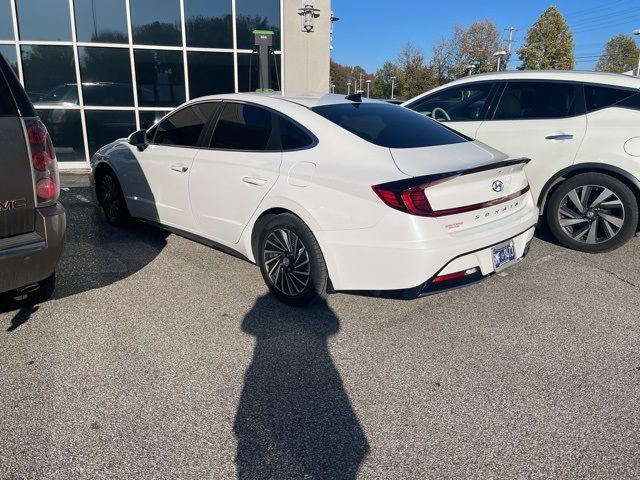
{"x":593,"y":213}
{"x":111,"y":199}
{"x":291,"y":262}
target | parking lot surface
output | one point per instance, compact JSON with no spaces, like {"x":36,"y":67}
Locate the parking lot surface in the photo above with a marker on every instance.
{"x":162,"y":358}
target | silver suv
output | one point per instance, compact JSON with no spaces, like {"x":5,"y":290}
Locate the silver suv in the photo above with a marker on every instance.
{"x":32,"y":221}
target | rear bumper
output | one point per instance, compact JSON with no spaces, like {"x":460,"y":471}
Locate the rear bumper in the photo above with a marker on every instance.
{"x":32,"y":257}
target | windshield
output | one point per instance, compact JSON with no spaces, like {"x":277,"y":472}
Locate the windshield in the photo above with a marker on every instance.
{"x":389,"y":125}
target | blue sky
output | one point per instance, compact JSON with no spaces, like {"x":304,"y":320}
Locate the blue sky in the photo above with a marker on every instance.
{"x":372,"y":31}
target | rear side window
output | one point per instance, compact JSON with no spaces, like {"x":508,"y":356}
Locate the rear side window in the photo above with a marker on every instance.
{"x":184,"y":127}
{"x":7,"y":107}
{"x":457,"y":104}
{"x":598,"y":97}
{"x":293,"y":137}
{"x":388,"y":125}
{"x":537,"y":100}
{"x":244,"y":127}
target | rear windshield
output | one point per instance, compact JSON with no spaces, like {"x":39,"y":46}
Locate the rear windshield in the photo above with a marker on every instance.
{"x":389,"y":125}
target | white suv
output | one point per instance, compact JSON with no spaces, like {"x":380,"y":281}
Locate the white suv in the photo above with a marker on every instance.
{"x":581,"y":131}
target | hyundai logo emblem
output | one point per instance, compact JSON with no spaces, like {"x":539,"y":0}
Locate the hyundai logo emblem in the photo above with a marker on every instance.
{"x":497,"y":186}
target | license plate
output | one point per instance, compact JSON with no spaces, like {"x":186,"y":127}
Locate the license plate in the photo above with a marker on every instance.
{"x":503,"y":255}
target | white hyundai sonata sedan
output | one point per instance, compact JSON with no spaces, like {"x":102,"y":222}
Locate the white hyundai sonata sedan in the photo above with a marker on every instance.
{"x":324,"y":193}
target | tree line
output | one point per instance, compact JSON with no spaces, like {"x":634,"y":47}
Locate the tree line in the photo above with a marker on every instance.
{"x":548,"y":45}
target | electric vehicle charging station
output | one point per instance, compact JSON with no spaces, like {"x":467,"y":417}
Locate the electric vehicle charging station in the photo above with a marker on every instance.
{"x":263,"y":46}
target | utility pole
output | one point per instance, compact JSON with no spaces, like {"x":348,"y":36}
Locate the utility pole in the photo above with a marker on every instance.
{"x":510,"y":43}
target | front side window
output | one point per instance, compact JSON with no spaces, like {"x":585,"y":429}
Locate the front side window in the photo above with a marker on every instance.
{"x":388,"y":125}
{"x":457,"y":104}
{"x":184,"y":127}
{"x":537,"y":100}
{"x":598,"y":97}
{"x":244,"y":127}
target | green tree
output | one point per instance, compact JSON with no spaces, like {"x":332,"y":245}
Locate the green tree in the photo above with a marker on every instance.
{"x":415,"y":77}
{"x":381,"y":86}
{"x":548,"y":44}
{"x":476,"y":43}
{"x":620,"y":55}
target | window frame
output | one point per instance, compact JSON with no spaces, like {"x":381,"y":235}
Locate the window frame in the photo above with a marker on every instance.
{"x":275,"y":125}
{"x":199,"y":144}
{"x":578,"y":91}
{"x":486,"y":108}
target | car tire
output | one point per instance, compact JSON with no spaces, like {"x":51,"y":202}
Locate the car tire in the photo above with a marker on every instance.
{"x":44,"y":291}
{"x":593,"y":213}
{"x":291,"y":261}
{"x":111,"y":199}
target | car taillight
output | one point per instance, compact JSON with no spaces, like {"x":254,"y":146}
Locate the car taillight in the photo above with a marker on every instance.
{"x":455,"y":275}
{"x":43,"y":162}
{"x":412,"y":200}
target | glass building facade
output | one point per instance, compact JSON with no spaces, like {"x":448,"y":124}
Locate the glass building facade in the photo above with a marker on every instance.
{"x":97,"y":70}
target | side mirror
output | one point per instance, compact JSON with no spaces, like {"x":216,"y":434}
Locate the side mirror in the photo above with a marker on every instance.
{"x":139,"y":139}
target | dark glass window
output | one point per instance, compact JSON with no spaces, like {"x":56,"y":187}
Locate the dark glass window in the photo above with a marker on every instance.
{"x":149,"y":119}
{"x":243,"y":127}
{"x":537,"y":100}
{"x":44,"y":19}
{"x":106,"y":76}
{"x":6,"y":23}
{"x":248,"y":79}
{"x":293,"y":137}
{"x":7,"y":103}
{"x":257,"y":15}
{"x":184,"y":127}
{"x":632,"y":102}
{"x":49,"y":74}
{"x":106,"y":126}
{"x":101,"y":21}
{"x":160,"y":78}
{"x":9,"y":54}
{"x":388,"y":125}
{"x":66,"y":133}
{"x":457,"y":104}
{"x":210,"y":73}
{"x":602,"y":97}
{"x":156,"y":22}
{"x":208,"y":23}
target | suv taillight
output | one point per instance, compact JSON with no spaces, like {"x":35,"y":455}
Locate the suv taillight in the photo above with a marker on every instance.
{"x":43,"y":162}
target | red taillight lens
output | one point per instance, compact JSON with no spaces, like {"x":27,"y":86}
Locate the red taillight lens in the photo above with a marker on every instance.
{"x":388,"y":197}
{"x":41,"y":160}
{"x":46,"y":188}
{"x":455,"y":275}
{"x":412,"y":200}
{"x":37,"y":133}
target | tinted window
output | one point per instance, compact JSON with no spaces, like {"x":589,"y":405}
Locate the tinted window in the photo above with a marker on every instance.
{"x":156,"y":22}
{"x":149,"y":119}
{"x":9,"y":54}
{"x":257,"y":15}
{"x":106,"y":76}
{"x":59,"y":84}
{"x":6,"y":24}
{"x":602,"y":97}
{"x":183,"y":128}
{"x":103,"y":21}
{"x":459,"y":104}
{"x":209,"y":23}
{"x":7,"y":106}
{"x":389,"y":125}
{"x":160,"y":78}
{"x":537,"y":100}
{"x":66,"y":133}
{"x":106,"y":126}
{"x":243,"y":127}
{"x":210,"y":73}
{"x":248,"y":80}
{"x":44,"y":19}
{"x":632,"y":102}
{"x":293,"y":137}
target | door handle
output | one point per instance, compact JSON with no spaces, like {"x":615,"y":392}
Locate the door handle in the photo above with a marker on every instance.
{"x":560,"y":136}
{"x":254,"y":181}
{"x":179,"y":168}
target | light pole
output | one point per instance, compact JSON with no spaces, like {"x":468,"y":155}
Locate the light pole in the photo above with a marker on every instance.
{"x":333,"y":88}
{"x":472,"y":66}
{"x":393,"y":84}
{"x":349,"y":87}
{"x":637,"y":32}
{"x":368,"y":87}
{"x":499,"y":54}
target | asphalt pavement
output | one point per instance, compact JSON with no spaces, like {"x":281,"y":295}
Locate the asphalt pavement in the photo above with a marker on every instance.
{"x":160,"y":358}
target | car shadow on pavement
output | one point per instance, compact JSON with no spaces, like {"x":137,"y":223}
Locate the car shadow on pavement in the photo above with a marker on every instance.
{"x":295,"y":419}
{"x":96,"y":254}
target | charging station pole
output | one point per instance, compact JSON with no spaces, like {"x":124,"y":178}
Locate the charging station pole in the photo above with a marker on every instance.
{"x":263,"y":44}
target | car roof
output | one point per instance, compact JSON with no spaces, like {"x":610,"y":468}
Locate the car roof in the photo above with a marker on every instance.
{"x":616,"y":79}
{"x":305,"y":100}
